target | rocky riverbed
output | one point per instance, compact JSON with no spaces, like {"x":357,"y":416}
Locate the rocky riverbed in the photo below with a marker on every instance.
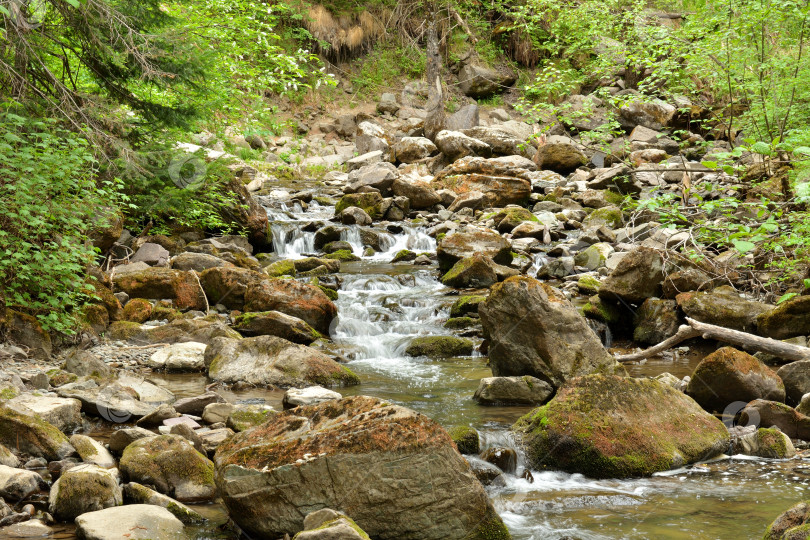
{"x":421,"y":344}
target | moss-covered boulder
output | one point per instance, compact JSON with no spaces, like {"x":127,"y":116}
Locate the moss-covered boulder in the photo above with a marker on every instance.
{"x":588,"y":284}
{"x":475,"y":272}
{"x":722,"y":307}
{"x":91,"y":451}
{"x":655,"y":321}
{"x":509,"y":218}
{"x":404,"y":255}
{"x":638,"y":276}
{"x":84,"y":488}
{"x":466,"y":305}
{"x":32,"y":435}
{"x":163,"y":283}
{"x":608,"y":216}
{"x":281,"y":268}
{"x":227,"y":285}
{"x":302,"y":300}
{"x":342,"y":255}
{"x":370,"y":202}
{"x":466,"y":439}
{"x":270,"y":360}
{"x":135,"y":493}
{"x":172,"y":465}
{"x":464,"y":244}
{"x":246,"y":416}
{"x":764,"y":442}
{"x":138,"y":310}
{"x":380,"y":463}
{"x":728,"y":375}
{"x":440,"y":347}
{"x":534,"y":330}
{"x":594,"y":256}
{"x":177,"y":331}
{"x":275,"y":323}
{"x":789,"y":319}
{"x":793,"y":524}
{"x":605,"y":426}
{"x":461,"y":323}
{"x":332,"y":525}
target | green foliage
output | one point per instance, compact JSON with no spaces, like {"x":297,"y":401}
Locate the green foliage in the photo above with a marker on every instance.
{"x":171,"y":190}
{"x":384,"y":67}
{"x":51,"y":200}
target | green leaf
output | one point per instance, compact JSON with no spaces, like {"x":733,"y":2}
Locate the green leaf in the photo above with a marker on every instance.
{"x":74,"y":3}
{"x":761,"y":148}
{"x":785,"y":297}
{"x":805,"y":150}
{"x":743,"y":246}
{"x":709,"y":164}
{"x":4,"y":11}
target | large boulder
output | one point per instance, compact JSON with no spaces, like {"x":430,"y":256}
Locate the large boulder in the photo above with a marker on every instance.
{"x":728,"y":375}
{"x":721,"y":307}
{"x":302,"y":300}
{"x":524,"y":390}
{"x":186,"y":356}
{"x":370,"y":202}
{"x":270,"y":360}
{"x":499,"y":182}
{"x":468,"y":242}
{"x":84,"y":488}
{"x":198,"y":262}
{"x":275,"y":323}
{"x":605,"y":426}
{"x":177,"y":331}
{"x":455,"y":145}
{"x":32,"y":435}
{"x":420,"y":194}
{"x":796,"y":377}
{"x":410,"y":149}
{"x":765,"y":413}
{"x":17,"y":484}
{"x":655,"y":321}
{"x":534,"y":330}
{"x":227,"y":285}
{"x":64,"y":413}
{"x":326,"y":524}
{"x":653,"y":114}
{"x":465,"y":118}
{"x":91,"y":451}
{"x":480,"y":82}
{"x":172,"y":465}
{"x":789,"y":319}
{"x":163,"y":283}
{"x":477,"y":271}
{"x":793,"y":524}
{"x":440,"y":347}
{"x":503,"y":142}
{"x":638,"y":276}
{"x":395,"y":471}
{"x":133,"y":522}
{"x":560,"y":157}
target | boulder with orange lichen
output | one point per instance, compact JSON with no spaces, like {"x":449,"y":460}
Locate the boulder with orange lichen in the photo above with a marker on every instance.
{"x":395,"y":471}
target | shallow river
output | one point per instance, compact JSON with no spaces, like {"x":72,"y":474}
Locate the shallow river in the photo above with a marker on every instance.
{"x":382,"y":306}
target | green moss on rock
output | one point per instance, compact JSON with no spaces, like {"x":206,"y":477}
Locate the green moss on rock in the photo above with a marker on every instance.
{"x":606,"y":426}
{"x":466,"y":439}
{"x":466,"y":304}
{"x":281,"y":268}
{"x":342,"y":255}
{"x":440,"y":347}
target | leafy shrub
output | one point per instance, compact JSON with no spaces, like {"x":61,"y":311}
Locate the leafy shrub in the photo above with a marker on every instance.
{"x":51,"y":200}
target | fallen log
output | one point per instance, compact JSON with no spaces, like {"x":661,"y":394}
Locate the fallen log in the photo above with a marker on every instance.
{"x":739,"y":339}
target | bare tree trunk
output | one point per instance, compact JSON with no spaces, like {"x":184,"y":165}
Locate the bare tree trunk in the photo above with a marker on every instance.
{"x":743,"y":340}
{"x":434,"y":122}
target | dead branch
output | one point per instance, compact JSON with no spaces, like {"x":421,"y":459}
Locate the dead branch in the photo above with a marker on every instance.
{"x":744,"y":340}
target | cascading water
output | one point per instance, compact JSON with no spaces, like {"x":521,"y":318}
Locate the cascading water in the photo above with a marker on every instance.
{"x":382,"y":307}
